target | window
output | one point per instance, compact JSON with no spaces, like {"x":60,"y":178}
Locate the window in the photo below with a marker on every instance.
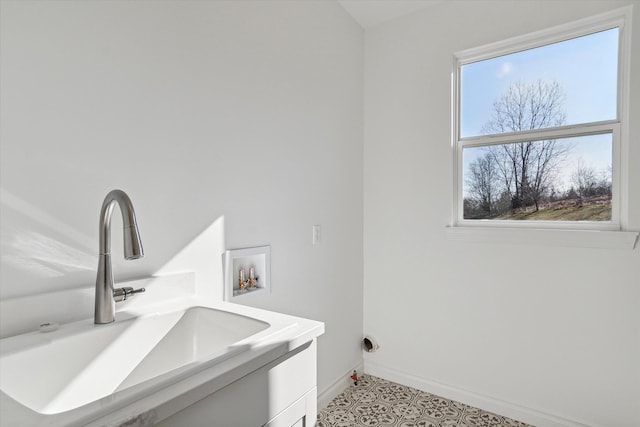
{"x":539,"y":129}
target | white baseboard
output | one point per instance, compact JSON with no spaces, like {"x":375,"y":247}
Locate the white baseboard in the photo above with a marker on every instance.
{"x":338,"y":386}
{"x":487,"y":403}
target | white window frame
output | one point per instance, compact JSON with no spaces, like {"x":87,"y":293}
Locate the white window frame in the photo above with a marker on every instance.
{"x":546,"y":231}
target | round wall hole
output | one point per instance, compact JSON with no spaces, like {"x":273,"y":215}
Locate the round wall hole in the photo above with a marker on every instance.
{"x":369,"y":344}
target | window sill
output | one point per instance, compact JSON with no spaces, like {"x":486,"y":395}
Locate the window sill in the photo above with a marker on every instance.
{"x":625,"y":240}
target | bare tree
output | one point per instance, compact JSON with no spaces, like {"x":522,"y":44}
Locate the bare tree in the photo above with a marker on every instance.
{"x":587,"y":182}
{"x":605,"y":184}
{"x":483,"y":185}
{"x":527,"y":168}
{"x":584,"y":179}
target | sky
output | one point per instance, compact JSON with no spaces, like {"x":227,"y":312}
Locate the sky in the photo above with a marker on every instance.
{"x":586,"y":69}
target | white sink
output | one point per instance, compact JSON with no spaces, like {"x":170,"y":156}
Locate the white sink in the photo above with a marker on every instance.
{"x":80,"y":363}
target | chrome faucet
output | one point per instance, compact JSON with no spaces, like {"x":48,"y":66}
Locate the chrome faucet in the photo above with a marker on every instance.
{"x":106,"y":296}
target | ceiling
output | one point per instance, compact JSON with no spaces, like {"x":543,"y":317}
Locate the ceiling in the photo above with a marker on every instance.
{"x":369,"y":13}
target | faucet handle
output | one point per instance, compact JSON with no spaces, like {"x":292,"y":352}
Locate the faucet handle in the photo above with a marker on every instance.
{"x":121,"y":294}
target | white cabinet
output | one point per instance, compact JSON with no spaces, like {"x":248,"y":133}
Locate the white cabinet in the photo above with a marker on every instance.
{"x":280,"y":394}
{"x":299,"y":414}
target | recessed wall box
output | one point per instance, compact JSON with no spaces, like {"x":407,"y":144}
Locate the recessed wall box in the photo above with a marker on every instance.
{"x":256,"y":259}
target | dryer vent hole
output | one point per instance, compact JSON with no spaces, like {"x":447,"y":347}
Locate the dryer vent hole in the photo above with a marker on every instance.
{"x":369,"y":344}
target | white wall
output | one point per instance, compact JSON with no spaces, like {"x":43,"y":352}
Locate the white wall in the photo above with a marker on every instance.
{"x":251,"y":111}
{"x":555,"y":330}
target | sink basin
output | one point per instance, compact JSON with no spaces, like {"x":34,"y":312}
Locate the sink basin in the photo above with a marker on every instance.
{"x":80,"y":363}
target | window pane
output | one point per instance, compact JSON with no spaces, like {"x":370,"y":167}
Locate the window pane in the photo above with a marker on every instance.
{"x":565,"y":179}
{"x":565,"y":83}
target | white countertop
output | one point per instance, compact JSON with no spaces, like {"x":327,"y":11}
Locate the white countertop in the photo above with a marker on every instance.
{"x":159,"y":398}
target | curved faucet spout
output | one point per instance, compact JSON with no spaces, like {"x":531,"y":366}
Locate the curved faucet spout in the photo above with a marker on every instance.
{"x":132,"y":242}
{"x":105,"y":303}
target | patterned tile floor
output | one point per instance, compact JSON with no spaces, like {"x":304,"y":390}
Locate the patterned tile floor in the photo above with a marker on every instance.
{"x":378,"y":402}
